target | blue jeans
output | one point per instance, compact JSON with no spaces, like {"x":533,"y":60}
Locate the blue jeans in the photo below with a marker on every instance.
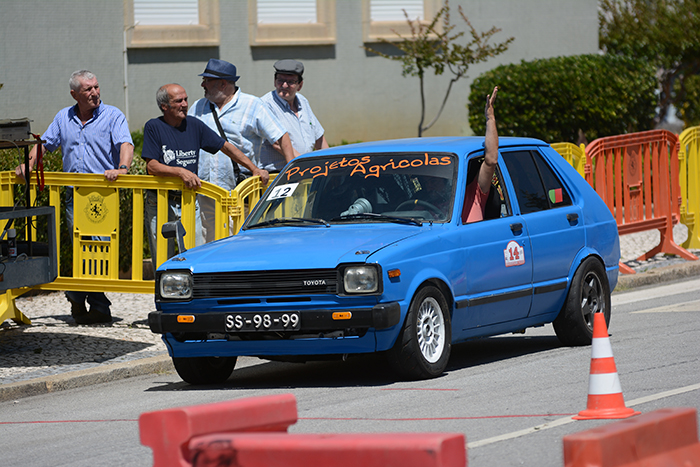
{"x":98,"y":301}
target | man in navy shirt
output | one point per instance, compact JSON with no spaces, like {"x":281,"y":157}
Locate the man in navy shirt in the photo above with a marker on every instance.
{"x":171,"y":145}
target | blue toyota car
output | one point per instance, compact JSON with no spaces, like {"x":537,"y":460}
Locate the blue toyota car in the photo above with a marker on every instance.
{"x":362,"y":248}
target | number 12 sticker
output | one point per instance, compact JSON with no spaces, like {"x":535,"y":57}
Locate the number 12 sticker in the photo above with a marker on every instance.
{"x":283,"y":191}
{"x":514,"y":254}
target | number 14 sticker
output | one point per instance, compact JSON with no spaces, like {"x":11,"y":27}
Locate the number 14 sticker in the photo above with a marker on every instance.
{"x":514,"y":254}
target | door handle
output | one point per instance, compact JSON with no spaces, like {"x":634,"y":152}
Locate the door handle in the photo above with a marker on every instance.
{"x":572,"y":217}
{"x":516,"y":227}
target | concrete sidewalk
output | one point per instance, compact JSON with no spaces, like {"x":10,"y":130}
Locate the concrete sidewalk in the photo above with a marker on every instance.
{"x":54,"y":353}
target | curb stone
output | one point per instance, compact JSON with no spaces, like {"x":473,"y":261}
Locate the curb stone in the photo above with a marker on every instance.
{"x":674,"y":272}
{"x":87,"y":377}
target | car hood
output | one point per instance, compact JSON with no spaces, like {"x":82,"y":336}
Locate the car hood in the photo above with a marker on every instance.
{"x":292,"y":248}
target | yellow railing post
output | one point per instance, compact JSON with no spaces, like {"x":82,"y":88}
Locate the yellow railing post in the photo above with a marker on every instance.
{"x":689,"y":178}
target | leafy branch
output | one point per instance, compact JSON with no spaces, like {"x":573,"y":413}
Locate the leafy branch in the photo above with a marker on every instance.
{"x":433,"y":47}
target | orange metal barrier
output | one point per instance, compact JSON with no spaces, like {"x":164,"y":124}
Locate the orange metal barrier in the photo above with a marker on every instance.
{"x":689,"y":178}
{"x":637,"y":177}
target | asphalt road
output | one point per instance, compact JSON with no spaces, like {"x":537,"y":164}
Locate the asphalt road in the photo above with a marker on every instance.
{"x":512,"y":396}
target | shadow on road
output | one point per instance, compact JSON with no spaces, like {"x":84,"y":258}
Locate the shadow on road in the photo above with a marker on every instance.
{"x":366,"y":370}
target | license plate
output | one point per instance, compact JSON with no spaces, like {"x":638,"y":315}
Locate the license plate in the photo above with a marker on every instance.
{"x":270,"y":321}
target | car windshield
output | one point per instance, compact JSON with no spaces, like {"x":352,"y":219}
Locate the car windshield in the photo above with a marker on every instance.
{"x":405,"y":188}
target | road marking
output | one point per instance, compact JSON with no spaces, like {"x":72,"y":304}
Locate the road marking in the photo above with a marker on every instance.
{"x":684,"y":307}
{"x":566,"y":420}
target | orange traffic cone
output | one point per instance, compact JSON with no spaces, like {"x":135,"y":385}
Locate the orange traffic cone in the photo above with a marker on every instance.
{"x":604,"y":392}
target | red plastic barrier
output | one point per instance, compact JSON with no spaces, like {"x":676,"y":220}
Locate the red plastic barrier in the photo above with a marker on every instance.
{"x":637,"y":177}
{"x":167,"y":432}
{"x":665,"y":437}
{"x":331,"y":450}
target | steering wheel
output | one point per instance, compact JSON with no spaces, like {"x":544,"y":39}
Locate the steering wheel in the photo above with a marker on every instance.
{"x":412,"y":203}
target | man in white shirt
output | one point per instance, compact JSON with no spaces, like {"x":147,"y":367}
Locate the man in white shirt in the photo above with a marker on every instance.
{"x":294,"y":111}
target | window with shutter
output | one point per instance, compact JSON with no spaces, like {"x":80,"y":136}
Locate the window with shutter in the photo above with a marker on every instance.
{"x":383,"y":19}
{"x":171,"y":23}
{"x":301,"y":22}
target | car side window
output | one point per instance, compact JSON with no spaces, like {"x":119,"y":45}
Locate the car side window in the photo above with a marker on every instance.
{"x":497,"y":204}
{"x":537,"y":187}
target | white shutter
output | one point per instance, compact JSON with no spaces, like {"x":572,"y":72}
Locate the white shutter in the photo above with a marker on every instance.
{"x":166,"y":12}
{"x":287,"y":12}
{"x":392,"y":10}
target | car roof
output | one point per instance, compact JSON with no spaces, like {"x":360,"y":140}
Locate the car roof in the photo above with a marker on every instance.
{"x":451,"y":144}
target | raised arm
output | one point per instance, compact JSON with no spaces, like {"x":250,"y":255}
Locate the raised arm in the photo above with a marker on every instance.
{"x":490,"y":145}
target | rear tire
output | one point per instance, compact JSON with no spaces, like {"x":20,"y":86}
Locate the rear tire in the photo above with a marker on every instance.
{"x":423,"y":346}
{"x":204,"y":370}
{"x":589,"y":294}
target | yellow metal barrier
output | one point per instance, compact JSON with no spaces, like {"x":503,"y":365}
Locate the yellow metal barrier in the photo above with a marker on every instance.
{"x":574,"y":155}
{"x":245,"y":196}
{"x":689,"y":178}
{"x":96,"y":214}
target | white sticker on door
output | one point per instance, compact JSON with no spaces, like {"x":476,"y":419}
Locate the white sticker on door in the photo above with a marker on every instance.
{"x":514,"y":254}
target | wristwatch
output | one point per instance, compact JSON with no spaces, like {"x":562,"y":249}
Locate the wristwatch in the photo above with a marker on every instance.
{"x":123,"y":167}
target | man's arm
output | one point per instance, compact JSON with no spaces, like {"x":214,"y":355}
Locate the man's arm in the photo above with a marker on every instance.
{"x":19,"y":170}
{"x":284,"y":147}
{"x":238,"y":157}
{"x":321,"y":143}
{"x":161,"y":170}
{"x":126,"y":156}
{"x":490,"y":145}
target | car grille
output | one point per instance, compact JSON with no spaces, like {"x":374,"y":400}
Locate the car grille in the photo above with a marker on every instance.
{"x":265,"y":283}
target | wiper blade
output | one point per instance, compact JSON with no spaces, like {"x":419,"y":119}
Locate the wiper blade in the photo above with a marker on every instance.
{"x":290,"y":220}
{"x":373,"y":215}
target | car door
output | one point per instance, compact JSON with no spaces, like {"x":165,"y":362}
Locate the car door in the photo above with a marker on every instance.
{"x":497,"y":281}
{"x":554,"y":224}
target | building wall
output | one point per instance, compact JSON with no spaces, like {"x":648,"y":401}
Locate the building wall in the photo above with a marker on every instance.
{"x":355,"y":95}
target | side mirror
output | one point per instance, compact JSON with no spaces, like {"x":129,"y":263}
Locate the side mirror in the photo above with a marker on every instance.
{"x":174,"y":229}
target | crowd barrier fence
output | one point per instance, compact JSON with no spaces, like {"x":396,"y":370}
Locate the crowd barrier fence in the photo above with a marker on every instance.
{"x":689,"y":178}
{"x":574,"y":155}
{"x":96,"y":226}
{"x":637,"y":175}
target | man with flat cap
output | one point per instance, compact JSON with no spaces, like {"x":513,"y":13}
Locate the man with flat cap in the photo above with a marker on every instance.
{"x":243,"y":120}
{"x":295,"y":113}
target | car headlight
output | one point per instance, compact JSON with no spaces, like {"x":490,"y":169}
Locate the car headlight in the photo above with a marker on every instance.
{"x":360,"y":279}
{"x":176,"y":285}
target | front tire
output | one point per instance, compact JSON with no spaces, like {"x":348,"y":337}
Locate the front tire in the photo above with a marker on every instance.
{"x":204,"y":370}
{"x":589,"y":294}
{"x":423,"y":346}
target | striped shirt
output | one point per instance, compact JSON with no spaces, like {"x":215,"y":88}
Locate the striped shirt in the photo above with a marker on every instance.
{"x":90,"y":148}
{"x":246,"y":121}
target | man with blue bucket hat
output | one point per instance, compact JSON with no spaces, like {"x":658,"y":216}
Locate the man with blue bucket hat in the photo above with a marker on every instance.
{"x":242,"y":119}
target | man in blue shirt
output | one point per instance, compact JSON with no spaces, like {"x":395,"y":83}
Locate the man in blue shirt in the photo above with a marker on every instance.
{"x":94,"y":138}
{"x":171,"y":148}
{"x":295,"y":113}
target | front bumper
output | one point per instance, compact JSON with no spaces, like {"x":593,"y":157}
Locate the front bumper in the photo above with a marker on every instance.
{"x":380,"y":316}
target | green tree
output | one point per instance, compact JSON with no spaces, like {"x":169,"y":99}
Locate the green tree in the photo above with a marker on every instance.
{"x":433,"y":47}
{"x":664,"y":32}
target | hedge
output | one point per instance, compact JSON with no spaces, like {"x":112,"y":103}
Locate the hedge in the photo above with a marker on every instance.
{"x":552,"y":99}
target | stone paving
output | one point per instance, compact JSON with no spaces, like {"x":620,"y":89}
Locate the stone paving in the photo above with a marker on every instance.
{"x":54,"y":344}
